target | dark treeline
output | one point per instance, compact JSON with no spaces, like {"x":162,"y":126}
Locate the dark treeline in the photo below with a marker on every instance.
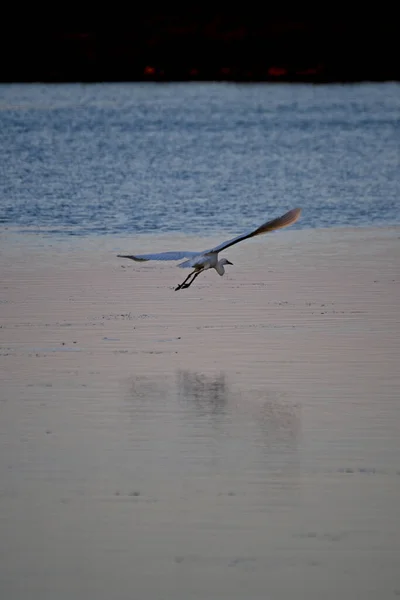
{"x":196,"y":46}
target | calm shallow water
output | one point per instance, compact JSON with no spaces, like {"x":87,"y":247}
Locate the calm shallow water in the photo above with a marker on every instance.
{"x":238,"y":441}
{"x":133,"y":158}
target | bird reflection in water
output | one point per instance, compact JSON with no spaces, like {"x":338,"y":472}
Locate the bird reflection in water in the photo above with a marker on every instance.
{"x":208,"y":394}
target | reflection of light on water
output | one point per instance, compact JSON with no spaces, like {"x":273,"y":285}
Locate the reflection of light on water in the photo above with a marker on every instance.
{"x":144,"y":389}
{"x":278,"y":435}
{"x":208,"y":394}
{"x":279,"y":423}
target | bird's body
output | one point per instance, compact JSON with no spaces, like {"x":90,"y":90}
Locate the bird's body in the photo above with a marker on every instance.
{"x":208,"y":259}
{"x":203,"y":263}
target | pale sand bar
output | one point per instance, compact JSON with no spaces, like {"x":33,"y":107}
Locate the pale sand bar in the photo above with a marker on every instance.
{"x":239,"y":439}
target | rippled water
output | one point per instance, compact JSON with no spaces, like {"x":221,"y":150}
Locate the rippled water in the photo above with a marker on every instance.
{"x":129,"y":158}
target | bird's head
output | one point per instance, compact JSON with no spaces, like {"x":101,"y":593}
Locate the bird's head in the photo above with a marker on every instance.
{"x":225,"y":261}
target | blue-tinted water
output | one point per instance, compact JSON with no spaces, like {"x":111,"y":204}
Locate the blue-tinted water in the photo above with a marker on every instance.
{"x":125,"y":158}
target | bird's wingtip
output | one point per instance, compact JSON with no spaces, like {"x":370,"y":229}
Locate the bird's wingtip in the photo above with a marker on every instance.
{"x":138,"y":259}
{"x":294,"y":214}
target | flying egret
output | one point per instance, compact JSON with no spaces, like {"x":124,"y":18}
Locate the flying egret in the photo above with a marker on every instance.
{"x":208,"y":259}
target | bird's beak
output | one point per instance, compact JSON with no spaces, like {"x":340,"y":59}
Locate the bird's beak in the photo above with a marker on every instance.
{"x":229,"y":263}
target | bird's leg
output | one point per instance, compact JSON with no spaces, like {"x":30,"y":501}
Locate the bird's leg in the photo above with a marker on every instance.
{"x":186,"y":285}
{"x":178,"y":287}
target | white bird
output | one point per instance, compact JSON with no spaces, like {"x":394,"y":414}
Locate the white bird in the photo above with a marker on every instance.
{"x":208,"y":259}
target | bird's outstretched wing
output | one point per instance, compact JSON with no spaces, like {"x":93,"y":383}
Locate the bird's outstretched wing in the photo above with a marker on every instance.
{"x":160,"y":256}
{"x":287,"y":219}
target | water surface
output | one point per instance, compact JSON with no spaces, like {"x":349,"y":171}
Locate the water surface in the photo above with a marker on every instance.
{"x":197,"y":158}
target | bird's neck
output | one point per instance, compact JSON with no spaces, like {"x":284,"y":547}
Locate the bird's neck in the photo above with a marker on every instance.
{"x":220,"y":269}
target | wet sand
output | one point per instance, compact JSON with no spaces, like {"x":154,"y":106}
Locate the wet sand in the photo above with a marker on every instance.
{"x":239,"y":439}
